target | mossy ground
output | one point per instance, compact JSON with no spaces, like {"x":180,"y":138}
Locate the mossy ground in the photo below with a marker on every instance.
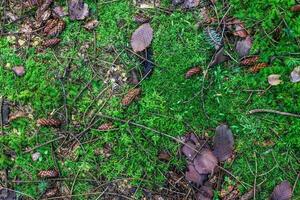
{"x":169,"y":103}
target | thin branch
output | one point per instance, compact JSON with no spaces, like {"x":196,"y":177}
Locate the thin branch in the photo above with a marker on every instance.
{"x":273,"y":111}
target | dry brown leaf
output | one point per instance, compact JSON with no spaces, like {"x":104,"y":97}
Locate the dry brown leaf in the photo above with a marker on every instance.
{"x":274,"y":79}
{"x":223,"y":143}
{"x":283,"y":191}
{"x":59,"y":11}
{"x":205,"y":162}
{"x":243,"y":47}
{"x":142,"y":37}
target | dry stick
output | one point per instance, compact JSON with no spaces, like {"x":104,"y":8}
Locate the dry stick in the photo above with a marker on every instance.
{"x":273,"y":111}
{"x":1,"y":117}
{"x":295,"y":184}
{"x":40,"y":145}
{"x":171,"y":137}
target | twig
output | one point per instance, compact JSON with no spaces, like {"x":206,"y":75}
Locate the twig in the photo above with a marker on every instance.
{"x":1,"y":117}
{"x":273,"y":111}
{"x":295,"y":184}
{"x":40,"y":145}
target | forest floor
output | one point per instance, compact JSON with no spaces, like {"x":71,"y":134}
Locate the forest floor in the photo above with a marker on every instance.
{"x":72,"y":82}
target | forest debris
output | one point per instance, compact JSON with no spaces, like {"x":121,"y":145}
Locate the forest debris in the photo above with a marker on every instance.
{"x":35,"y":156}
{"x":192,"y":175}
{"x":243,"y":47}
{"x":48,"y":173}
{"x":188,"y":150}
{"x":142,"y":37}
{"x":223,"y":143}
{"x":130,"y":96}
{"x":19,"y":70}
{"x":191,"y":4}
{"x":214,"y":38}
{"x":295,"y":8}
{"x":78,"y":10}
{"x":205,"y":162}
{"x":5,"y":111}
{"x":50,"y":24}
{"x":133,"y":79}
{"x":16,"y":115}
{"x":250,"y":194}
{"x":50,"y":192}
{"x":51,"y":42}
{"x":141,"y":18}
{"x":147,"y":62}
{"x":49,"y":122}
{"x":248,"y":61}
{"x":273,"y":111}
{"x":256,"y":68}
{"x":237,"y":27}
{"x":57,"y":29}
{"x":177,"y":2}
{"x":283,"y":191}
{"x":295,"y":75}
{"x":193,"y":71}
{"x":92,"y":24}
{"x":274,"y":79}
{"x":218,"y":58}
{"x":164,"y":156}
{"x":59,"y":11}
{"x":105,"y":126}
{"x":205,"y":193}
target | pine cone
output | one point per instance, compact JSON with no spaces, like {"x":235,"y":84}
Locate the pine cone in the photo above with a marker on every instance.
{"x":256,"y":68}
{"x":193,"y":71}
{"x":51,"y":192}
{"x":132,"y":94}
{"x":105,"y":126}
{"x":48,"y":174}
{"x":49,"y":122}
{"x":51,"y":23}
{"x":249,"y":60}
{"x":57,"y":29}
{"x":51,"y":42}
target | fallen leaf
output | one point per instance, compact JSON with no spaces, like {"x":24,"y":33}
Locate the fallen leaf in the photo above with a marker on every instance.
{"x":283,"y":191}
{"x":205,"y":162}
{"x":19,"y":70}
{"x":205,"y":193}
{"x":35,"y":156}
{"x":218,"y":58}
{"x":142,"y":37}
{"x":192,"y":175}
{"x":295,"y":75}
{"x":90,"y":25}
{"x":295,"y":8}
{"x":188,"y":150}
{"x":274,"y":79}
{"x":243,"y":47}
{"x":78,"y":10}
{"x":164,"y":156}
{"x":223,"y":143}
{"x":177,"y":2}
{"x":191,"y":4}
{"x":59,"y":11}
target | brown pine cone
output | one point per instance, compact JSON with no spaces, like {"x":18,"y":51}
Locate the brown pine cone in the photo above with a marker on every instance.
{"x":51,"y":42}
{"x":51,"y":192}
{"x":130,"y":96}
{"x":49,"y":122}
{"x":105,"y":126}
{"x":48,"y":173}
{"x":249,"y":60}
{"x":256,"y":68}
{"x":57,"y":29}
{"x":193,"y":71}
{"x":51,"y":23}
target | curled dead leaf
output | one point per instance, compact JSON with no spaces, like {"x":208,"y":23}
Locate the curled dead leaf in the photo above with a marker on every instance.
{"x":188,"y":150}
{"x":274,"y":79}
{"x":219,"y":57}
{"x":142,"y":37}
{"x":59,"y":11}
